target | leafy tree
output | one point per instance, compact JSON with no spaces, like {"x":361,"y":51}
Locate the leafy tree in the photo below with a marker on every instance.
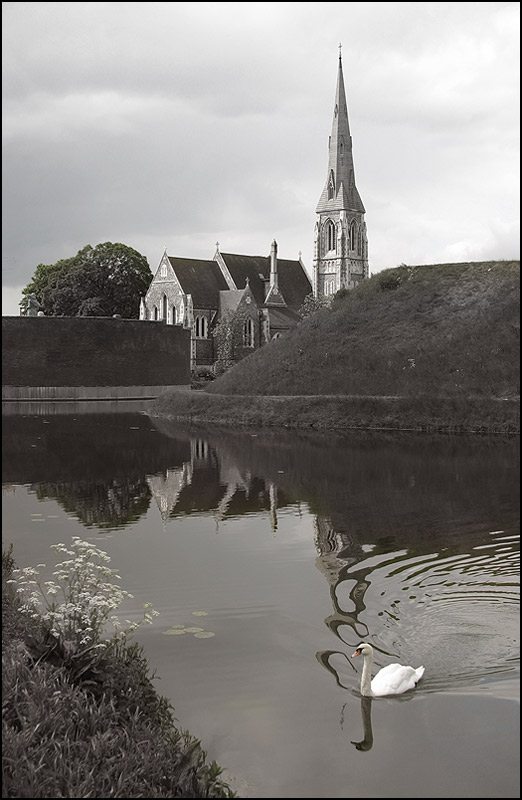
{"x":101,"y":281}
{"x":311,"y":304}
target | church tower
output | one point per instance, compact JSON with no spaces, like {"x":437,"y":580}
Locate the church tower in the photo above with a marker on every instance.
{"x":340,"y":242}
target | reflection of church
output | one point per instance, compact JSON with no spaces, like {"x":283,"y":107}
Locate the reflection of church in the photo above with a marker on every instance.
{"x":211,"y":484}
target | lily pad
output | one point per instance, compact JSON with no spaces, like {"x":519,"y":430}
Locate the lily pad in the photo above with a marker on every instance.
{"x":194,"y":630}
{"x":200,"y":613}
{"x":204,"y":635}
{"x":173,"y":632}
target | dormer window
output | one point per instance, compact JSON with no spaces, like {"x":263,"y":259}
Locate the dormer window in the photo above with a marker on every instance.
{"x":331,"y":186}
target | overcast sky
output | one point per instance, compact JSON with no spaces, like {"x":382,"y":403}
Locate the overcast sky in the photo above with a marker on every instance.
{"x":178,"y":125}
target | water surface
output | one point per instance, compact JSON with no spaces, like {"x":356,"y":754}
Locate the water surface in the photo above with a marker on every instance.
{"x":270,"y":556}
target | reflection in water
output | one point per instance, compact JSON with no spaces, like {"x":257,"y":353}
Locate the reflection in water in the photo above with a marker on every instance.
{"x":416,"y":538}
{"x":366,"y":742}
{"x":108,"y":505}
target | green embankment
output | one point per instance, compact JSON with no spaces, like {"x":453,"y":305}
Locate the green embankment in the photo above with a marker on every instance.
{"x":427,"y":347}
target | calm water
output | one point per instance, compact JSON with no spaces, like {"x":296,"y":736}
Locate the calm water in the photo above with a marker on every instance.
{"x":295,"y":548}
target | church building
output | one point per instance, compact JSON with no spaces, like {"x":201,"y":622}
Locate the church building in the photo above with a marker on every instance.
{"x":340,"y":243}
{"x":266,"y":292}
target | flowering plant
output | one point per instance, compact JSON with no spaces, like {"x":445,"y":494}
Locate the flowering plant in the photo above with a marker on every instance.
{"x":78,"y":605}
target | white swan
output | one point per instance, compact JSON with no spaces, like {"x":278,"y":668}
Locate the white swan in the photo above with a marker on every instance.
{"x":393,"y":679}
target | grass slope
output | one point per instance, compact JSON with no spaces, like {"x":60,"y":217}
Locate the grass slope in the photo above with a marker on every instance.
{"x":443,"y":330}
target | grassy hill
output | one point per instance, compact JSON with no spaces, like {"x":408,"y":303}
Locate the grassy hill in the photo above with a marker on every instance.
{"x":446,"y":329}
{"x":426,"y":348}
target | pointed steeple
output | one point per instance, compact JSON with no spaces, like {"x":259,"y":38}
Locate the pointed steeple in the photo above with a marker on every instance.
{"x":340,"y":243}
{"x":340,"y":192}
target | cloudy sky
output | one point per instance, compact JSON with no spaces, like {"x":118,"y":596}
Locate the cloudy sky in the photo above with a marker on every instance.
{"x":178,"y":125}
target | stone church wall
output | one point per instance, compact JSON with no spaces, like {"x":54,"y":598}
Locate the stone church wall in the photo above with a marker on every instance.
{"x":92,"y":352}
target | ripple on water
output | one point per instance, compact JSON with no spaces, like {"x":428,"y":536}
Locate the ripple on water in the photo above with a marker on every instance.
{"x":455,"y":612}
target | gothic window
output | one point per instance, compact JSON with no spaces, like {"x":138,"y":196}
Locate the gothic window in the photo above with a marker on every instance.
{"x":163,"y":272}
{"x":155,"y":313}
{"x":248,"y":333}
{"x":331,"y":186}
{"x":329,"y":286}
{"x":353,"y":234}
{"x":164,"y":307}
{"x":331,"y":243}
{"x":201,"y":327}
{"x":173,"y":313}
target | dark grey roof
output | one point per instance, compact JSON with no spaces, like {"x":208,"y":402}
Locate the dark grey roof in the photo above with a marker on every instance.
{"x":201,"y":279}
{"x":282,"y":318}
{"x":293,"y":280}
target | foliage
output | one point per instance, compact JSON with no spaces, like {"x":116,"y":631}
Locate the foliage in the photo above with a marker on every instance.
{"x":87,"y":599}
{"x":101,"y":281}
{"x":103,"y":733}
{"x":228,"y":335}
{"x":311,"y":304}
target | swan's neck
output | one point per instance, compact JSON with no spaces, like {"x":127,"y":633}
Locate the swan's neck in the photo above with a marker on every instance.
{"x":366,"y":677}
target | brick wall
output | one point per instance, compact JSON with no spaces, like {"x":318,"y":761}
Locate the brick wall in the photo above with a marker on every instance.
{"x":93,"y":351}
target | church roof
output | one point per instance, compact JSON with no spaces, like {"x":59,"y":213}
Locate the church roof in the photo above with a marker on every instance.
{"x":292,"y":279}
{"x":282,"y":318}
{"x":201,"y":279}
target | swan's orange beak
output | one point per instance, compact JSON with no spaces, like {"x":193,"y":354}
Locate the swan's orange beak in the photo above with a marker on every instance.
{"x":357,"y":653}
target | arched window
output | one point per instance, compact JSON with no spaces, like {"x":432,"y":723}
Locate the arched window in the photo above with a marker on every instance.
{"x":201,"y":327}
{"x":331,"y":243}
{"x":163,"y":271}
{"x":173,"y":315}
{"x":331,"y":185}
{"x":164,"y":307}
{"x":155,"y":313}
{"x":329,"y":286}
{"x":353,"y":234}
{"x":248,"y":333}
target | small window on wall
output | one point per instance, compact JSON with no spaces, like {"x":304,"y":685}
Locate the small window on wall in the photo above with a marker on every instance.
{"x":201,"y":327}
{"x":163,"y":271}
{"x":173,"y":314}
{"x":155,"y":313}
{"x":248,"y":333}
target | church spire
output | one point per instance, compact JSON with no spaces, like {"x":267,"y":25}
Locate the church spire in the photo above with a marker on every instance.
{"x":340,"y":191}
{"x":340,"y":247}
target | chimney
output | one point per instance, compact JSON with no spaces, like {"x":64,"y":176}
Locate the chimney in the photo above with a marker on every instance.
{"x":273,"y":267}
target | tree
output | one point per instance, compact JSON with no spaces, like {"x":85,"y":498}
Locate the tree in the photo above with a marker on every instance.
{"x":311,"y":304}
{"x":229,"y":339}
{"x":101,"y":281}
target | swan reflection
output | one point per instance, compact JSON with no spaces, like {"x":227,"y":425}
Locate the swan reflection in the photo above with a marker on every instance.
{"x":366,"y":742}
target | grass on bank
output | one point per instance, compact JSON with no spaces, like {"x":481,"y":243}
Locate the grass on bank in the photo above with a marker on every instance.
{"x":82,"y":721}
{"x":426,"y":348}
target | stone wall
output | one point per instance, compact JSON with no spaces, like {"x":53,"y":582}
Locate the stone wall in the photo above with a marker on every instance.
{"x":63,"y":352}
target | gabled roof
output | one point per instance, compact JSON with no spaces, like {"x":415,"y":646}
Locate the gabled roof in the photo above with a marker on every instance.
{"x":282,"y":318}
{"x":293,"y":280}
{"x":230,"y":299}
{"x":201,"y":279}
